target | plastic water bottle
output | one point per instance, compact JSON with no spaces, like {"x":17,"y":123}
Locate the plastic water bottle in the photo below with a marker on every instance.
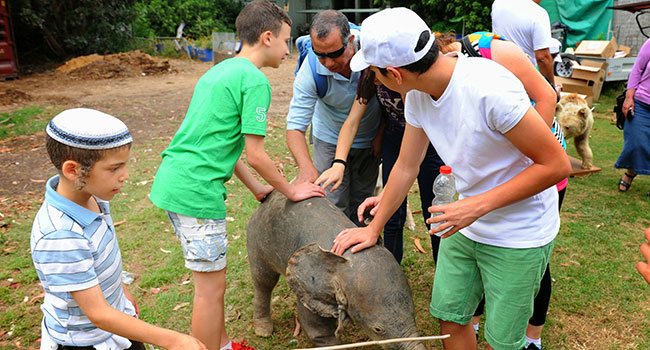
{"x":444,"y":187}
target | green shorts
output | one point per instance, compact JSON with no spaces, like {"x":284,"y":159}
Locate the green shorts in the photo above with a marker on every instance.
{"x":508,"y":277}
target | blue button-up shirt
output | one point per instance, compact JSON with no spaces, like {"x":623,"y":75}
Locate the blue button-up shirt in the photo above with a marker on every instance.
{"x":330,"y":112}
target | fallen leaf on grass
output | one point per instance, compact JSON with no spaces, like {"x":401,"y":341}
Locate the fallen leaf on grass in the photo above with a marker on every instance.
{"x":416,"y":241}
{"x":181,"y":305}
{"x":38,"y":181}
{"x":296,"y":331}
{"x":116,"y":224}
{"x":600,"y":225}
{"x":36,"y":298}
{"x":158,"y":290}
{"x":25,"y":299}
{"x":231,"y":314}
{"x":14,"y":285}
{"x":185,"y":279}
{"x":415,"y":212}
{"x":9,"y":249}
{"x":165,"y":251}
{"x":230,"y":219}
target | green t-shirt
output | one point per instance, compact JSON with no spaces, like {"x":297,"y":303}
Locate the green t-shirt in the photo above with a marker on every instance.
{"x":230,"y":100}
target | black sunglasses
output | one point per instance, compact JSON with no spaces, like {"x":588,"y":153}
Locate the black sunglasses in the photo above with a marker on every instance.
{"x":333,"y":54}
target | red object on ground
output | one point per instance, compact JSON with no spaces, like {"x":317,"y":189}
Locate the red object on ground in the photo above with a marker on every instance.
{"x":241,"y":346}
{"x":8,"y":56}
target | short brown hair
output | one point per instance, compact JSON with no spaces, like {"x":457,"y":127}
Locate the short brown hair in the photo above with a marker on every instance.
{"x":258,"y":17}
{"x":59,"y":153}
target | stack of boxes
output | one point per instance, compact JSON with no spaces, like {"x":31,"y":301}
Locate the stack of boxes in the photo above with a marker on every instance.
{"x":588,"y":77}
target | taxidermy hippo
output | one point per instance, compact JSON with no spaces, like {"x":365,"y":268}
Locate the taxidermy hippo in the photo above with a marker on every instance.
{"x":368,"y":288}
{"x":574,"y":115}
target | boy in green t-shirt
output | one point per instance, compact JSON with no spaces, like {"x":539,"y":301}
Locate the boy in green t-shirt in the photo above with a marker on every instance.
{"x":227,"y":114}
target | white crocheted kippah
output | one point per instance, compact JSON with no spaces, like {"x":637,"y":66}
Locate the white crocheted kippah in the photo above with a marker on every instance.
{"x":89,"y":129}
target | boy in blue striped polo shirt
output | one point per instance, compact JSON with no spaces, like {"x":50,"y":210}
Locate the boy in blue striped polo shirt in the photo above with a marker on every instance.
{"x":74,"y":246}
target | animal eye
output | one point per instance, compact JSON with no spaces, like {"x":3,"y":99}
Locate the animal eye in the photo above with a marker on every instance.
{"x":378,"y":330}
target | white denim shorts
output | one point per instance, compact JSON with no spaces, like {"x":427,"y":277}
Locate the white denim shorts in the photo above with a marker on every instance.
{"x":204,"y":242}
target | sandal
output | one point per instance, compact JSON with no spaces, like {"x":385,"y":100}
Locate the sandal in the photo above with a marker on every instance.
{"x":626,"y":185}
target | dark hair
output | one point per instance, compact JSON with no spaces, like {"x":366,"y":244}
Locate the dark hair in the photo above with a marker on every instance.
{"x":426,"y":61}
{"x":59,"y":153}
{"x":258,"y":17}
{"x":325,"y":21}
{"x":366,"y":88}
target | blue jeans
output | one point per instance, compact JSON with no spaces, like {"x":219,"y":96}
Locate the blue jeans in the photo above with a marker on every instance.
{"x":429,"y":169}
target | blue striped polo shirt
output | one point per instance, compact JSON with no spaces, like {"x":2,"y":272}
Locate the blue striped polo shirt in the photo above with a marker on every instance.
{"x":74,"y":249}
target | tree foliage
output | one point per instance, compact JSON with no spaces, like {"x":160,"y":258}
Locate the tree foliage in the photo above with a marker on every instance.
{"x":72,"y":27}
{"x":63,"y":28}
{"x":451,"y":15}
{"x":202,"y":17}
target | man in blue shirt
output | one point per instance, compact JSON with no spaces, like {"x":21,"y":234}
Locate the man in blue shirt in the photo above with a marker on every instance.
{"x":334,"y":45}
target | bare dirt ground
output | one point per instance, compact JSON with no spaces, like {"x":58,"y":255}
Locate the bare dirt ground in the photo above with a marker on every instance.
{"x":150,"y":97}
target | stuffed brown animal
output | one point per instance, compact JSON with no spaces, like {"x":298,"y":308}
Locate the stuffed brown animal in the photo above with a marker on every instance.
{"x":576,"y":120}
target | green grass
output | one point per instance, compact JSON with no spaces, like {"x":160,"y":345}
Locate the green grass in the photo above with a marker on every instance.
{"x":24,"y":121}
{"x":599,"y":301}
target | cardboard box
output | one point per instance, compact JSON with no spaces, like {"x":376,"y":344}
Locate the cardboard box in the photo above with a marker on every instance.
{"x":593,"y":63}
{"x":584,"y":87}
{"x":590,"y":70}
{"x":589,"y":99}
{"x":623,"y":51}
{"x":598,"y":48}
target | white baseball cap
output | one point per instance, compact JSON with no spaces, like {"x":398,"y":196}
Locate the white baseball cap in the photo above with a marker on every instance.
{"x":389,"y":37}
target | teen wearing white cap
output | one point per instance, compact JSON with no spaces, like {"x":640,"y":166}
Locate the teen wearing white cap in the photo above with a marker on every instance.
{"x":480,"y":120}
{"x":74,"y":247}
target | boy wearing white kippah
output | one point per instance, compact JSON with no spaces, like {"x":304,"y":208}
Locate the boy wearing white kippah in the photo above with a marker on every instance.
{"x":498,"y":237}
{"x":227,"y":114}
{"x":74,"y":247}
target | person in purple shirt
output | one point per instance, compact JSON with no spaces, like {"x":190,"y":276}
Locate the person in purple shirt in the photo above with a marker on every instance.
{"x":635,"y":157}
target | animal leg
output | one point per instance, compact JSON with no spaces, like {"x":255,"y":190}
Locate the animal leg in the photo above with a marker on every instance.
{"x":584,"y":151}
{"x":264,"y":280}
{"x":320,"y":330}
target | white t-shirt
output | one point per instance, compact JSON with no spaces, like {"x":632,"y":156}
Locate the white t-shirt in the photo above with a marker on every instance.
{"x":466,"y":125}
{"x":523,"y":22}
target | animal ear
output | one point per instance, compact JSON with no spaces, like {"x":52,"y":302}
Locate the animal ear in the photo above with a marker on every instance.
{"x":558,"y":108}
{"x":584,"y":112}
{"x":311,"y":275}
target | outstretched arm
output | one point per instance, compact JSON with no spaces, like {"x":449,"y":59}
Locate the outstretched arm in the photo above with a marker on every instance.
{"x":258,"y":159}
{"x":545,"y":63}
{"x":104,"y":316}
{"x":258,"y":189}
{"x":402,"y":176}
{"x":298,"y":146}
{"x":346,"y":138}
{"x":643,"y":266}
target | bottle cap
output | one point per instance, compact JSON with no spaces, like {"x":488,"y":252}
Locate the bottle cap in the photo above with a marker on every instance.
{"x":445,"y":169}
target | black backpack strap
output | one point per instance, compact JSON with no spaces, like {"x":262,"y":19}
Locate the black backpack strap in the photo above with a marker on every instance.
{"x":467,"y":48}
